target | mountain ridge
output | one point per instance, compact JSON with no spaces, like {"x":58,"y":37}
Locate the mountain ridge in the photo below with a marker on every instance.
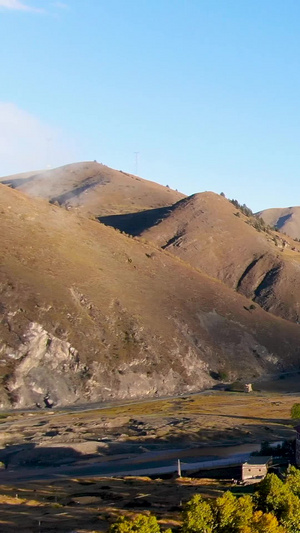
{"x":286,"y":219}
{"x":93,"y":189}
{"x":211,"y":233}
{"x":88,"y":313}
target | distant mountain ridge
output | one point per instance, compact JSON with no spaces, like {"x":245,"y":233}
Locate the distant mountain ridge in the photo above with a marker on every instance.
{"x":286,"y":219}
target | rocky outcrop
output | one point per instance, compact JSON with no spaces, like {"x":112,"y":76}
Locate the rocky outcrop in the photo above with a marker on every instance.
{"x":49,"y":371}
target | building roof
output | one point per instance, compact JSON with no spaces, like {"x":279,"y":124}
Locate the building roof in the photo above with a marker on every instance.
{"x":258,"y":460}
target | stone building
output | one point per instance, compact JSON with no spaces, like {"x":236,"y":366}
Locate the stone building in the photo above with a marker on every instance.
{"x":256,"y":468}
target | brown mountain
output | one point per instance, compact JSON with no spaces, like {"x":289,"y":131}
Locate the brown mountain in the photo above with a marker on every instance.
{"x":210,"y":233}
{"x":286,"y":219}
{"x":94,"y":189}
{"x":88,"y":313}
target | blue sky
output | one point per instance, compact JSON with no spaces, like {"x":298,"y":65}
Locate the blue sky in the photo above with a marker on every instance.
{"x":207,"y":91}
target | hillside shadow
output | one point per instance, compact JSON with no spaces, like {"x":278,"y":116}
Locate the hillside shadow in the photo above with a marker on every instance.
{"x":77,"y":191}
{"x":282,"y":220}
{"x":29,"y":455}
{"x":135,"y":223}
{"x":18,"y":182}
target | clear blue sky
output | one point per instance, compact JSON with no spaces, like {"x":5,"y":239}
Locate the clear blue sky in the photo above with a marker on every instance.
{"x":207,"y":91}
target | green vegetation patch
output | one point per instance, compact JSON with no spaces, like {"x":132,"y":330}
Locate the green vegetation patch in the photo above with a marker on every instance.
{"x":295,"y":411}
{"x":274,"y":508}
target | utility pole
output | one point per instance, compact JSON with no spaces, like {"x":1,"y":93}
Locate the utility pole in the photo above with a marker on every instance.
{"x":136,"y":162}
{"x":178,"y":468}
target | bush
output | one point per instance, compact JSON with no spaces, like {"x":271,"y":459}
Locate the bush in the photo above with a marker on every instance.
{"x":295,"y":411}
{"x":223,"y":376}
{"x":144,"y":524}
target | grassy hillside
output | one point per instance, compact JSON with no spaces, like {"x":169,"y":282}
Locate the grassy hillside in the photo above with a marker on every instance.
{"x":94,"y":189}
{"x":286,"y":219}
{"x":88,"y":313}
{"x":210,"y":233}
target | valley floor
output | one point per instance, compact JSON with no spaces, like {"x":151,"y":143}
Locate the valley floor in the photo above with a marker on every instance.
{"x":55,"y":459}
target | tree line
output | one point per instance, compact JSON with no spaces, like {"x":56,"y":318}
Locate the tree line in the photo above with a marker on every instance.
{"x":273,"y":508}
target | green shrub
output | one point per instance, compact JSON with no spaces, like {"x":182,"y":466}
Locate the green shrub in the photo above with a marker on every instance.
{"x":142,"y":523}
{"x":295,"y":411}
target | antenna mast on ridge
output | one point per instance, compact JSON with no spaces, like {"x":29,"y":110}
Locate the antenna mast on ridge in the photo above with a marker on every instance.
{"x":136,"y":162}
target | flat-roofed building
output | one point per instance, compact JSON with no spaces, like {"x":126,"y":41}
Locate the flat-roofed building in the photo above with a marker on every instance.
{"x":256,"y":468}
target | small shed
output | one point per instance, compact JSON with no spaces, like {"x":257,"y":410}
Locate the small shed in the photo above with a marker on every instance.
{"x":256,"y":468}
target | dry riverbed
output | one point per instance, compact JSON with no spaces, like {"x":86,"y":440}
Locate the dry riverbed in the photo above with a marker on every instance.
{"x":212,"y":419}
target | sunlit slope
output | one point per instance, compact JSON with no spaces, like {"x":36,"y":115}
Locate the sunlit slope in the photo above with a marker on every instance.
{"x":94,"y":189}
{"x":209,"y":232}
{"x":88,"y":313}
{"x":286,"y":219}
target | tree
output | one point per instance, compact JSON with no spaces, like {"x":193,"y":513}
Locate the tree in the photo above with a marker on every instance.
{"x":295,"y":411}
{"x":142,"y":523}
{"x":278,"y":497}
{"x":290,"y":517}
{"x":197,"y":516}
{"x":272,"y":494}
{"x":232,"y":514}
{"x":265,"y":523}
{"x":293,"y":480}
{"x":243,"y":512}
{"x":225,"y":508}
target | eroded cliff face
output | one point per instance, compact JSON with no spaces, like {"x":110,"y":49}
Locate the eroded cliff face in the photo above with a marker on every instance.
{"x":48,"y":372}
{"x":140,"y":378}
